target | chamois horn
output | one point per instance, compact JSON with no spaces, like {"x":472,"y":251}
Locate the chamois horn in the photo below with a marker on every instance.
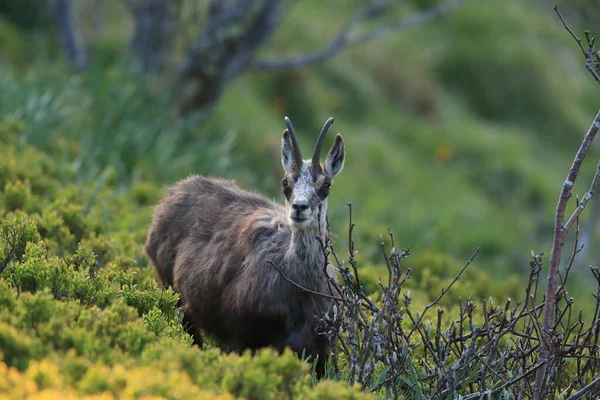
{"x":316,"y":157}
{"x":295,"y":147}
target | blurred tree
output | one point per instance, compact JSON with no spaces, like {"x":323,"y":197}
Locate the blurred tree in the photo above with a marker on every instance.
{"x":68,"y":32}
{"x":233,"y":32}
{"x":154,"y":27}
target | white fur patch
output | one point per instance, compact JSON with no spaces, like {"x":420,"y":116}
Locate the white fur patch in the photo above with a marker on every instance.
{"x":304,"y":192}
{"x":304,"y":188}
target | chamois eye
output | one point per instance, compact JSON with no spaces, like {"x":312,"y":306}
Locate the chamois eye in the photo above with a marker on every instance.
{"x":285,"y":182}
{"x":327,"y":185}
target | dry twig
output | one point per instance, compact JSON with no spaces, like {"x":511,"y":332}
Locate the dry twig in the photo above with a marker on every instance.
{"x":560,"y":231}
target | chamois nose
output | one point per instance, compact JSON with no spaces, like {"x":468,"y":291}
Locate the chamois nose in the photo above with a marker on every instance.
{"x":299,"y":207}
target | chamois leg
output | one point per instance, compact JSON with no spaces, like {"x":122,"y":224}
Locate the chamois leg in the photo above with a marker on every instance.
{"x":191,"y":330}
{"x":299,"y":341}
{"x":321,"y":364}
{"x":324,"y":350}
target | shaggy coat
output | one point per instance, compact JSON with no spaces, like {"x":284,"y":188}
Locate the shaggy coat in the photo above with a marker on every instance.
{"x":216,"y":244}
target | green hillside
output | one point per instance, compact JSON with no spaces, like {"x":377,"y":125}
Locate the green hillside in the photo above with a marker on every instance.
{"x":459,"y":134}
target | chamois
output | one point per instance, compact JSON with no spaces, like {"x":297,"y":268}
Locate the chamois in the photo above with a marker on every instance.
{"x":218,"y":247}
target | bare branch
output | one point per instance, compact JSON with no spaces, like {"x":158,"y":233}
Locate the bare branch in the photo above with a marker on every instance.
{"x":507,"y":384}
{"x":344,"y":39}
{"x":584,"y":201}
{"x":284,"y":276}
{"x":576,"y":250}
{"x":452,"y":361}
{"x":590,"y":54}
{"x":444,"y":291}
{"x":589,"y":61}
{"x":579,"y":42}
{"x":560,"y":231}
{"x":594,"y":385}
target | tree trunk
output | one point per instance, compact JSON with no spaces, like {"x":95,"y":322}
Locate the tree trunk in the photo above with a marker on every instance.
{"x":154,"y":27}
{"x":224,"y":50}
{"x":68,"y":33}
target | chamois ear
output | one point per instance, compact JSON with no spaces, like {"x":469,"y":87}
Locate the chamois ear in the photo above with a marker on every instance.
{"x":334,"y":162}
{"x":287,"y":154}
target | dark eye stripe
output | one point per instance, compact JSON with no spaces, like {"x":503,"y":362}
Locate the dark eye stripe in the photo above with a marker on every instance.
{"x":287,"y":191}
{"x":323,"y":192}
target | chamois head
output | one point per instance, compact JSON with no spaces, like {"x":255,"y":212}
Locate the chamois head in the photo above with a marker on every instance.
{"x":306,"y":183}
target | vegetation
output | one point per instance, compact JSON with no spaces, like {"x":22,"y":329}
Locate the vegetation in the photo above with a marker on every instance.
{"x":459,"y":133}
{"x":83,"y":316}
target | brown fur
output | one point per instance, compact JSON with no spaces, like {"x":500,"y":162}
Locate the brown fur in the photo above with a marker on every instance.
{"x":213,"y":243}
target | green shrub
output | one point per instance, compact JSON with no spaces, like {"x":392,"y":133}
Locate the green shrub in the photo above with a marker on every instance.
{"x":82,"y":317}
{"x":15,"y":232}
{"x":444,"y":149}
{"x":17,"y":195}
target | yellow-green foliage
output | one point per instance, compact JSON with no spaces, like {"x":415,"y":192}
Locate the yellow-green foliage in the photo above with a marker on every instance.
{"x":235,"y":377}
{"x":435,"y":142}
{"x":81,"y":313}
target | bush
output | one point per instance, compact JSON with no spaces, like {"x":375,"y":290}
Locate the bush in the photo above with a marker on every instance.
{"x":81,"y":316}
{"x":82,"y":156}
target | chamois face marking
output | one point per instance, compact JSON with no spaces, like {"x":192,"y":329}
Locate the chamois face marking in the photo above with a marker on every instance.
{"x":306,"y":185}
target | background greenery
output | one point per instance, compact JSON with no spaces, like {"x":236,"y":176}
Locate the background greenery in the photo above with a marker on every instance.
{"x":459,"y":134}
